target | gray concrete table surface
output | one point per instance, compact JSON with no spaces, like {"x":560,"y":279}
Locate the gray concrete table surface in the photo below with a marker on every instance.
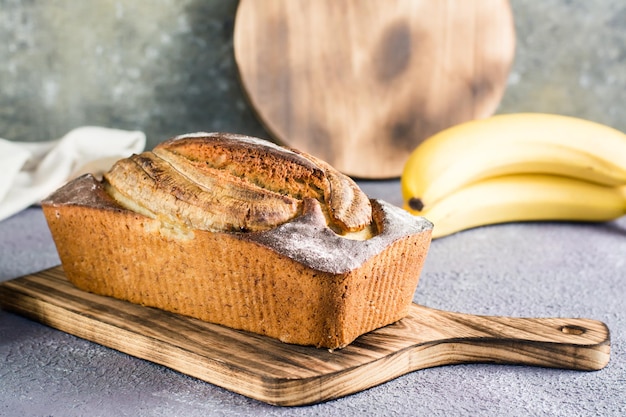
{"x":526,"y":270}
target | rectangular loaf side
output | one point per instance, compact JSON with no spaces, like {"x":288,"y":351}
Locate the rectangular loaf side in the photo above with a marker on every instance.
{"x":219,"y":278}
{"x":300,"y":282}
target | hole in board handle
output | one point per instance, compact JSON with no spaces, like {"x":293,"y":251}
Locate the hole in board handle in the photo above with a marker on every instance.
{"x":573,"y":330}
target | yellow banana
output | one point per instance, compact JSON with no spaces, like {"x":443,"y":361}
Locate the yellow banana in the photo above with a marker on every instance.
{"x":524,"y":197}
{"x":522,"y":143}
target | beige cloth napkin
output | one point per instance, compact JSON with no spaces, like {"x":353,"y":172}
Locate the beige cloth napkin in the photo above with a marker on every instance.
{"x":29,"y":172}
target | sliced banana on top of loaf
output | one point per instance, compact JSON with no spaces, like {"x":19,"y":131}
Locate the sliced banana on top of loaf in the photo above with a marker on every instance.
{"x":230,"y":182}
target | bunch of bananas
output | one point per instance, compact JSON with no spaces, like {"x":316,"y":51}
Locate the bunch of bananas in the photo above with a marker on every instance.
{"x":517,"y":167}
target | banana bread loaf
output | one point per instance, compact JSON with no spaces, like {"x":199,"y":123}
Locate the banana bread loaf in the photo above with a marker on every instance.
{"x":241,"y":232}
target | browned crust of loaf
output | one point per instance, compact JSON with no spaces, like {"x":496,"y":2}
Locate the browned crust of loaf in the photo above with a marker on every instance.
{"x":272,"y":167}
{"x":276,"y":168}
{"x":235,"y":279}
{"x":197,"y":199}
{"x":339,"y":190}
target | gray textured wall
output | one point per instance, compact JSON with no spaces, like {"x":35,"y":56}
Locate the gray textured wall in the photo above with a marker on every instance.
{"x":166,"y":67}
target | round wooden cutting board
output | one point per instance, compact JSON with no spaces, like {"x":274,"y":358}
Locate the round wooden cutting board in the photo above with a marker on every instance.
{"x":360,"y":83}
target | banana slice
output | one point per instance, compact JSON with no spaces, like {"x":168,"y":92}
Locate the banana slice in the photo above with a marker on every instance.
{"x":346,"y":203}
{"x":227,"y":182}
{"x":220,"y":202}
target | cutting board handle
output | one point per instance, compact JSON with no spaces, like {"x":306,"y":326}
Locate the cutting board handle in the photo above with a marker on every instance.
{"x":443,"y":338}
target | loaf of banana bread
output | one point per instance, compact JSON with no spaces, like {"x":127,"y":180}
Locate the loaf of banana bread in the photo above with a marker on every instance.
{"x":241,"y":232}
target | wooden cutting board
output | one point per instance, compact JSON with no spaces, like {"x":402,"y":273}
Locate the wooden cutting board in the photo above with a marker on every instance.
{"x":360,"y":84}
{"x":282,"y":374}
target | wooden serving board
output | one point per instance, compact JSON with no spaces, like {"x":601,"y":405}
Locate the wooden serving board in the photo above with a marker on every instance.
{"x":282,"y":374}
{"x":360,"y":84}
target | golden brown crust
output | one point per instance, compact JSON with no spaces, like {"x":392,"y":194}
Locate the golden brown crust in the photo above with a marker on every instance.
{"x":259,"y":162}
{"x":196,"y":199}
{"x":238,"y":169}
{"x":347,"y":204}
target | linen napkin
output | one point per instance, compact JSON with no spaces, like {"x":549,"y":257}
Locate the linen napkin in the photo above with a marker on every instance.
{"x":30,"y":171}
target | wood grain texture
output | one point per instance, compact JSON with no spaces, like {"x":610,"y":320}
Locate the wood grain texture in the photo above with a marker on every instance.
{"x":282,"y":374}
{"x":360,"y":84}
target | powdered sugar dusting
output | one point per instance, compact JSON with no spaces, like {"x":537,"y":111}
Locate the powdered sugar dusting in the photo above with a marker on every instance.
{"x":193,"y":135}
{"x":309,"y":241}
